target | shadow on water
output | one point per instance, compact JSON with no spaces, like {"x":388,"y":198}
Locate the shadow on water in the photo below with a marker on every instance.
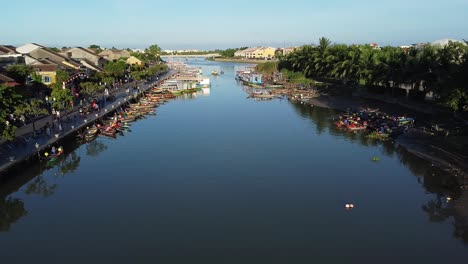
{"x":32,"y":177}
{"x":449,"y":196}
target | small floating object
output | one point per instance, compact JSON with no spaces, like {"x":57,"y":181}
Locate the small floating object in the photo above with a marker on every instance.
{"x":448,"y":199}
{"x":349,"y":206}
{"x":375,"y":158}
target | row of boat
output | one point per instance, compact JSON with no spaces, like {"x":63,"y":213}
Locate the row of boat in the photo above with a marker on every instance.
{"x":120,"y":121}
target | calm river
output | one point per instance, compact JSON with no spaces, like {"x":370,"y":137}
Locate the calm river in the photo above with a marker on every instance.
{"x":224,"y":176}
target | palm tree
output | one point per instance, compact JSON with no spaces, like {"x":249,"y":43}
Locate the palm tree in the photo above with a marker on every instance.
{"x":368,"y":61}
{"x":321,"y":60}
{"x":349,"y":68}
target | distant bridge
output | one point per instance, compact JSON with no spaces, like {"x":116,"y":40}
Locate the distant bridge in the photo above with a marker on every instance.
{"x":192,"y":56}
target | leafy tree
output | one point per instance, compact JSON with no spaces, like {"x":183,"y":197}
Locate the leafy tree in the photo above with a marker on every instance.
{"x":34,"y":108}
{"x":153,"y":49}
{"x":19,"y":72}
{"x":90,"y":89}
{"x":55,"y":49}
{"x":115,"y":69}
{"x":95,"y":47}
{"x":9,"y":101}
{"x":153,"y":53}
{"x":62,"y":96}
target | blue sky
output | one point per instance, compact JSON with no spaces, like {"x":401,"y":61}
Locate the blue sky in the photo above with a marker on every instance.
{"x":211,"y":24}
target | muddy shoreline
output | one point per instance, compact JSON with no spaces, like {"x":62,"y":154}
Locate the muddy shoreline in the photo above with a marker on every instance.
{"x":416,"y":141}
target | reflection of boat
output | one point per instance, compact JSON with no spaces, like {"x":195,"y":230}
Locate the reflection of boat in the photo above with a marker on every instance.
{"x":378,"y":135}
{"x":214,"y":72}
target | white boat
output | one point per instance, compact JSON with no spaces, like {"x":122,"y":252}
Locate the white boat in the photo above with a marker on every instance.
{"x":204,"y":82}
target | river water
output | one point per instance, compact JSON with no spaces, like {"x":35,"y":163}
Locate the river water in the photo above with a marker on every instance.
{"x":223,"y":176}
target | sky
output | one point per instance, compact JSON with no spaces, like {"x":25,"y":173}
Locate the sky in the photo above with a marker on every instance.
{"x":222,"y":24}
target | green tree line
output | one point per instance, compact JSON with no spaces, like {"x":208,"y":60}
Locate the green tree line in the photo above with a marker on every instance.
{"x":441,"y":70}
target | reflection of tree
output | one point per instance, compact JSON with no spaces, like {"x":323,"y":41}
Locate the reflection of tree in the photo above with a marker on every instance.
{"x":320,"y":116}
{"x":94,"y":148}
{"x":11,"y":210}
{"x":436,"y":181}
{"x":436,"y":211}
{"x":41,"y":187}
{"x":70,"y":164}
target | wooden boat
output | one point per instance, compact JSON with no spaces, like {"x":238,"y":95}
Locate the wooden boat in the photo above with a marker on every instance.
{"x":273,"y":86}
{"x":127,"y":119}
{"x":259,"y":95}
{"x":404,"y":121}
{"x":214,"y":72}
{"x":108,"y":132}
{"x":49,"y":155}
{"x":91,"y":130}
{"x":355,"y":128}
{"x":157,"y":90}
{"x":339,"y":124}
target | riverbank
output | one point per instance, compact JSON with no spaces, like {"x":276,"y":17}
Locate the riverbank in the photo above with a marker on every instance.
{"x":437,"y":149}
{"x":29,"y":148}
{"x":241,"y":60}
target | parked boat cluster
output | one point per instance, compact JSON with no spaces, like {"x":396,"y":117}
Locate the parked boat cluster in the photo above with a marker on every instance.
{"x":380,"y":125}
{"x":268,"y":88}
{"x":185,"y":80}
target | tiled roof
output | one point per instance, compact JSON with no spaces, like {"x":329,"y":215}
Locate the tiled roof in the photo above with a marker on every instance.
{"x":45,"y":67}
{"x":7,"y":49}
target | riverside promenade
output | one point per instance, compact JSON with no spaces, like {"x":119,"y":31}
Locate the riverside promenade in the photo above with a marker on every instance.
{"x":26,"y":145}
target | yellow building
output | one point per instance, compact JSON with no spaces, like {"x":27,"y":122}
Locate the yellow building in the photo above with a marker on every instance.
{"x":134,"y":61}
{"x":48,"y":73}
{"x":261,"y":53}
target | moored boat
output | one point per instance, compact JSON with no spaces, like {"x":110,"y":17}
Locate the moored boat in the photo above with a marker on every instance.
{"x":355,"y":128}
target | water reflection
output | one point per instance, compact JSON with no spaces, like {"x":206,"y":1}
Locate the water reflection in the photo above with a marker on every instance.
{"x":95,"y":147}
{"x":450,"y":197}
{"x":11,"y":210}
{"x":36,"y":181}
